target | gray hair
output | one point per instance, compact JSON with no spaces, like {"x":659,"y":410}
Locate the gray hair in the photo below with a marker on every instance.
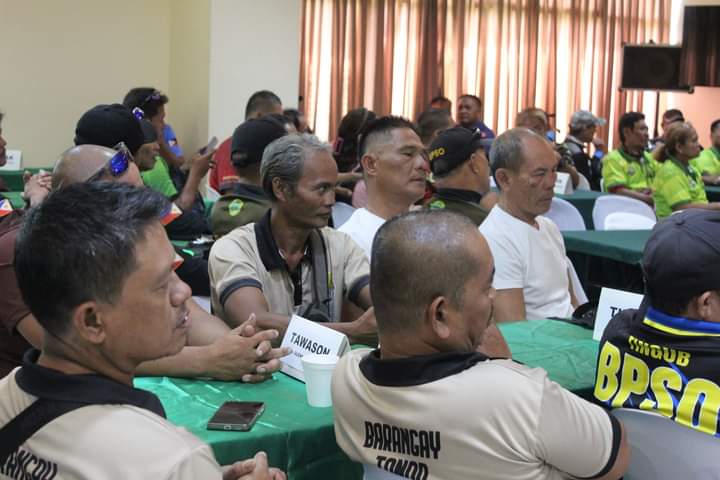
{"x":508,"y":150}
{"x":285,"y":157}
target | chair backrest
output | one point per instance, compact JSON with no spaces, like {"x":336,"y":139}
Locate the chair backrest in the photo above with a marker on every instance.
{"x":602,"y":184}
{"x":341,"y":212}
{"x":583,"y":183}
{"x":628,"y":221}
{"x":565,"y":215}
{"x":607,"y":204}
{"x":372,"y":472}
{"x":662,"y":449}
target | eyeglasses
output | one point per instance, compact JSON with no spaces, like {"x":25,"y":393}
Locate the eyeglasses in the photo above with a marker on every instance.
{"x":116,"y":166}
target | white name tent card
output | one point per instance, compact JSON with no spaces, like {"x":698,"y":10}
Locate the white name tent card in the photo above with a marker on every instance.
{"x":563,"y":185}
{"x":305,"y":337}
{"x":14,"y":160}
{"x":611,"y":303}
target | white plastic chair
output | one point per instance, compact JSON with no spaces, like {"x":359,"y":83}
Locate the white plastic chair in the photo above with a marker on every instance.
{"x":372,"y":472}
{"x":341,"y":212}
{"x":565,"y":215}
{"x":583,"y":183}
{"x":607,"y":204}
{"x":602,"y":184}
{"x":577,"y":287}
{"x":628,"y":221}
{"x":663,"y":450}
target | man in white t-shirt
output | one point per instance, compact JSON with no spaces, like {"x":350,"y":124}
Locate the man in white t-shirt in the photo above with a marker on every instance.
{"x":395,"y":168}
{"x":96,"y":268}
{"x":531,"y":277}
{"x":428,"y":405}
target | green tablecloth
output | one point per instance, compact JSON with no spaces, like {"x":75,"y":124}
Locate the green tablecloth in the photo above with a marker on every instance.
{"x":14,"y":178}
{"x":300,"y":439}
{"x":584,"y":201}
{"x":621,"y":245}
{"x":15,"y":199}
{"x":713,"y":193}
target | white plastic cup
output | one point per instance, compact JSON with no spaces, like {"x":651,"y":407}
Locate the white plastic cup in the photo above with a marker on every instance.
{"x":318,"y":371}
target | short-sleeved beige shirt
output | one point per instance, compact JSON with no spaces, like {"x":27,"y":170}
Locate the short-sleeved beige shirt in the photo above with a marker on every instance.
{"x":461,"y":416}
{"x":249,"y":257}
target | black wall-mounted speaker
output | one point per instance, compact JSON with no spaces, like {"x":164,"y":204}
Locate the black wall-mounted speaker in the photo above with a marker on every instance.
{"x":651,"y":67}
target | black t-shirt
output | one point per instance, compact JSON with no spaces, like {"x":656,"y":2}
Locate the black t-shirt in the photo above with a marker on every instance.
{"x":667,"y":364}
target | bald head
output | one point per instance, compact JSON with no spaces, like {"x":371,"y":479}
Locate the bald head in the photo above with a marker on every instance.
{"x":78,"y":164}
{"x":419,"y":256}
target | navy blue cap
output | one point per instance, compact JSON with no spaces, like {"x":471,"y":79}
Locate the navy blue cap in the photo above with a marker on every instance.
{"x":453,"y":147}
{"x":108,"y":125}
{"x":682,"y":256}
{"x":250,"y":139}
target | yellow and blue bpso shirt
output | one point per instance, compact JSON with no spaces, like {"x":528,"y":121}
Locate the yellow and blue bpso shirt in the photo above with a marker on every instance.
{"x":664,"y":364}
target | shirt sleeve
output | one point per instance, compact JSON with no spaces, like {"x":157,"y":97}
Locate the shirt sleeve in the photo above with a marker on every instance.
{"x":12,"y":306}
{"x":199,"y":464}
{"x":510,"y":265}
{"x":356,"y":268}
{"x":614,"y":172}
{"x":233,"y":264}
{"x":574,"y":435}
{"x":675,"y":189}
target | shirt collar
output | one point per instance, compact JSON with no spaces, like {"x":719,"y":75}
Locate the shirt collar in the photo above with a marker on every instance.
{"x":575,"y":140}
{"x":268,"y":249}
{"x":459,"y":194}
{"x":252,"y":192}
{"x":630,"y":157}
{"x":680,"y":325}
{"x":412,"y":371}
{"x":92,"y":389}
{"x":685,"y":168}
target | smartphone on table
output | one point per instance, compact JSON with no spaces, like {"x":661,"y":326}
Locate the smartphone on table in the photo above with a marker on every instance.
{"x":239,"y":416}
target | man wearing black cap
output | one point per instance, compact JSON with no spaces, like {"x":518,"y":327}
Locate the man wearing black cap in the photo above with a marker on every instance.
{"x":246,"y":202}
{"x":664,"y":357}
{"x":461,"y":173}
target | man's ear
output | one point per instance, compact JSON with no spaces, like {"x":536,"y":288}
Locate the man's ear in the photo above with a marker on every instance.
{"x":89,"y":323}
{"x":281,"y":189}
{"x":503,"y":178}
{"x":436,"y":317}
{"x":369,"y":164}
{"x":707,"y":307}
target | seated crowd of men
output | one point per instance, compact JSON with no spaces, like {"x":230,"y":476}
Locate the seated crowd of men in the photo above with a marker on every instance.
{"x":92,"y":285}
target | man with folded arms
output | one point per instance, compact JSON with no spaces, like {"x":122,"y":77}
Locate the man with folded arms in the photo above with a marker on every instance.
{"x":290,"y":262}
{"x":663,"y":357}
{"x":395,"y":168}
{"x":629,"y":170}
{"x":213,"y":350}
{"x":532,"y":277}
{"x":708,"y":162}
{"x":428,"y":405}
{"x":96,"y":268}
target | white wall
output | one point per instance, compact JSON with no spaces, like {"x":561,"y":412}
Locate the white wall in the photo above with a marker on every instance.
{"x":59,"y":58}
{"x":254,"y":45}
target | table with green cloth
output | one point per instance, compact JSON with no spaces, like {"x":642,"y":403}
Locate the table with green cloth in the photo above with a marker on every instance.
{"x":300,"y":439}
{"x":15,"y":198}
{"x":14,"y":178}
{"x":607,"y":258}
{"x":713,"y":193}
{"x":584,"y":201}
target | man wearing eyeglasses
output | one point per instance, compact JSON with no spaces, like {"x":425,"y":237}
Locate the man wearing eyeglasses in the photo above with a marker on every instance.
{"x":462,"y":174}
{"x":213,"y":349}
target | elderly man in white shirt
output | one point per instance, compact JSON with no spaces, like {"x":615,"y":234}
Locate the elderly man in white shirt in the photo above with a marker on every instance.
{"x":395,"y":168}
{"x":531,"y":268}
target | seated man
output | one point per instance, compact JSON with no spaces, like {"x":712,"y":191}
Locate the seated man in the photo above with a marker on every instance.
{"x":245,"y":201}
{"x":664,"y":356}
{"x":213,"y":349}
{"x":394,"y":168}
{"x":95,"y":266}
{"x":532,"y":278}
{"x":290,"y":261}
{"x":583,"y":126}
{"x":427,"y":404}
{"x":461,"y":174}
{"x":223,"y":174}
{"x":708,"y":162}
{"x":431,"y":123}
{"x":630,"y":169}
{"x":469,"y":115}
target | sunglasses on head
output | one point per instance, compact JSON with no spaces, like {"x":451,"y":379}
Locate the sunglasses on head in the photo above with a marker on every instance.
{"x":154,"y":96}
{"x":116,"y":166}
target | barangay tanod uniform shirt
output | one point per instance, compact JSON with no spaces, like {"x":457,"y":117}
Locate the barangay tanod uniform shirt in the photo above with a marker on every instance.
{"x":676,"y":185}
{"x":621,"y":169}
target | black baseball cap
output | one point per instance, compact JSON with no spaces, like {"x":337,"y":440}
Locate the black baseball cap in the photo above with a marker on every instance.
{"x":250,"y":139}
{"x":452,"y":148}
{"x":682,"y":255}
{"x":108,"y":125}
